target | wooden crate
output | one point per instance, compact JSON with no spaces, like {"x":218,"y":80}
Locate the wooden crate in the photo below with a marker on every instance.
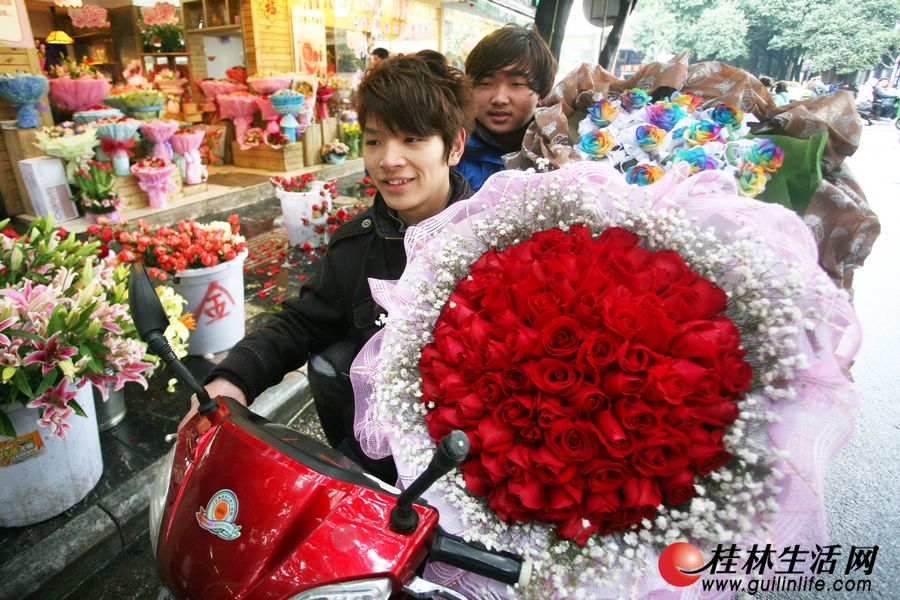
{"x":269,"y":159}
{"x":19,"y":145}
{"x":312,"y":145}
{"x":329,"y":129}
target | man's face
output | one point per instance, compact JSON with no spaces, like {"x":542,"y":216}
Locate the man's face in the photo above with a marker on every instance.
{"x":376,"y":60}
{"x":504,"y":102}
{"x":410,"y":171}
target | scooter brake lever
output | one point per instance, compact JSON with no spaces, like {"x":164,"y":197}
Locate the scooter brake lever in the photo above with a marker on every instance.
{"x":422,"y":588}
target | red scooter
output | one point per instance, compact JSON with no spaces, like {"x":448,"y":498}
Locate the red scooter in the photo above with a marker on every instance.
{"x":246,"y":508}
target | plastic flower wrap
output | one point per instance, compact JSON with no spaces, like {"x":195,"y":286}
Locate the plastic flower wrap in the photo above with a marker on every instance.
{"x":155,"y":177}
{"x":114,"y":96}
{"x":324,"y":92}
{"x":97,"y":112}
{"x":62,"y":314}
{"x":662,"y":376}
{"x":117,"y":141}
{"x":72,"y":142}
{"x":268,"y":82}
{"x":97,"y":194}
{"x":239,"y":107}
{"x":166,"y":250}
{"x":24,"y":91}
{"x":76,"y":86}
{"x":213,"y":88}
{"x":186,"y":142}
{"x":143,"y":104}
{"x":211,"y":147}
{"x":159,"y":131}
{"x":268,"y":113}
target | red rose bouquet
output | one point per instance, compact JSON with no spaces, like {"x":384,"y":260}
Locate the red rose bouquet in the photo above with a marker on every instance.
{"x":166,"y":250}
{"x":631,"y":366}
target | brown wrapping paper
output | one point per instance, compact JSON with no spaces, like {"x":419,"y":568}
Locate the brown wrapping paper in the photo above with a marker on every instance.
{"x":844,"y":225}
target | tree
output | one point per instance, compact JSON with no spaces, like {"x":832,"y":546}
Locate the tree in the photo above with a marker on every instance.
{"x":550,"y":19}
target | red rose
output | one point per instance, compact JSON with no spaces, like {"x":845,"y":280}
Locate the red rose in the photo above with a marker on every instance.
{"x":673,"y":379}
{"x":550,"y":409}
{"x":719,"y":414}
{"x":617,"y":441}
{"x":573,"y":529}
{"x":602,"y":475}
{"x":587,"y":400}
{"x":553,"y":376}
{"x":678,"y":489}
{"x":706,"y":451}
{"x":516,"y":379}
{"x":662,"y":455}
{"x":495,"y":435}
{"x":635,"y":357}
{"x":573,"y":440}
{"x":599,"y":350}
{"x":616,"y":383}
{"x":736,"y":372}
{"x":616,"y":238}
{"x":564,"y":502}
{"x":626,"y":318}
{"x":531,"y":494}
{"x":635,"y":414}
{"x":522,"y":342}
{"x":477,"y":479}
{"x":508,"y":506}
{"x":602,"y":505}
{"x":491,"y":389}
{"x":550,"y":468}
{"x":641,"y":492}
{"x":561,"y":338}
{"x":541,"y":306}
{"x":496,"y":466}
{"x":517,"y":410}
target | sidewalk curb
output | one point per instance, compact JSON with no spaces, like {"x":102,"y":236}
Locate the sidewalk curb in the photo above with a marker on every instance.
{"x":55,"y":566}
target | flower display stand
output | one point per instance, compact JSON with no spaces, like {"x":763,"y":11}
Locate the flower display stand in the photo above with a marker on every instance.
{"x":134,"y":197}
{"x":215,"y":296}
{"x":42,"y":475}
{"x":288,"y":158}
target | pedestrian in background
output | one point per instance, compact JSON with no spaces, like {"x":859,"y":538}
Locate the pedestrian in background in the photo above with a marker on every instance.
{"x":781,"y":94}
{"x":511,"y":70}
{"x":378,"y":55}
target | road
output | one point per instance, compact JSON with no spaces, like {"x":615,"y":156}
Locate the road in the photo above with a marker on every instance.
{"x":863,"y":483}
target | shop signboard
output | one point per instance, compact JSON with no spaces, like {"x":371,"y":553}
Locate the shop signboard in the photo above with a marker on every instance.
{"x":308,"y":50}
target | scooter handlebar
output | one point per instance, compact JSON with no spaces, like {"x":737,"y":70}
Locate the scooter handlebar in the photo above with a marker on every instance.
{"x":498,"y":565}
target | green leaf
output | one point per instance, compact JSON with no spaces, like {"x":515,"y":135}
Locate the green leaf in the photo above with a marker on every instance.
{"x":22,"y":383}
{"x":6,"y":426}
{"x":48,"y":380}
{"x":26,"y":334}
{"x":78,"y":410}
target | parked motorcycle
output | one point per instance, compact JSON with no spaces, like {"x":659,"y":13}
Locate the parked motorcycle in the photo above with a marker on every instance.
{"x":246,"y":508}
{"x":888,"y":108}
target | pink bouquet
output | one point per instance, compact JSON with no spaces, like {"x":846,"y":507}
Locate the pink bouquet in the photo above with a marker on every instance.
{"x":213,"y":88}
{"x":186,"y":142}
{"x":159,"y":131}
{"x":77,"y":94}
{"x":266,"y":85}
{"x":269,"y":114}
{"x":324,"y":92}
{"x":239,"y":106}
{"x":155,"y":177}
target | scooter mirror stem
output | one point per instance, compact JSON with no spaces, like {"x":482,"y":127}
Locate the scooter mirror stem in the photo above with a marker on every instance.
{"x":450,"y":453}
{"x":151,"y":321}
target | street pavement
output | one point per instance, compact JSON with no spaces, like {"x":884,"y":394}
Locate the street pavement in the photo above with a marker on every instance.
{"x":862,"y":484}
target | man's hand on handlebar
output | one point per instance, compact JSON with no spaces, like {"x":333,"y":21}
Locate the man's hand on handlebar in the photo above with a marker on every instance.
{"x":216,"y":387}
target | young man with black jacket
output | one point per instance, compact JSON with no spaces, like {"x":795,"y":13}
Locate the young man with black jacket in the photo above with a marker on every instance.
{"x":511,"y":70}
{"x":415,"y":112}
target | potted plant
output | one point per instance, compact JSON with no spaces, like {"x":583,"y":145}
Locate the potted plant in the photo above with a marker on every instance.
{"x":97,"y":195}
{"x":62,"y":315}
{"x":335,"y":152}
{"x":205,"y":265}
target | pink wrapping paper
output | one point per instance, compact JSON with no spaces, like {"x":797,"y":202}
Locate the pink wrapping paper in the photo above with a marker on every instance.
{"x":269,"y":85}
{"x":188,"y":147}
{"x":77,"y":94}
{"x":213,"y":88}
{"x":157,"y":183}
{"x":239,"y":107}
{"x":159,"y":131}
{"x":269,"y":114}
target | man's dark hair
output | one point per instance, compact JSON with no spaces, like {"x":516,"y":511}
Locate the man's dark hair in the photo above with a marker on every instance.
{"x":780,"y":87}
{"x":381,"y":53}
{"x":418,"y":94}
{"x":521,"y":50}
{"x":766,"y":81}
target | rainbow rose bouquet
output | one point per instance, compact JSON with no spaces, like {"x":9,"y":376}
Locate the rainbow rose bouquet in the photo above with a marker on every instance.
{"x":660,"y":377}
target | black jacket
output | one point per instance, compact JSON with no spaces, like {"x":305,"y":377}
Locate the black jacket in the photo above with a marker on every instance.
{"x":334,"y":304}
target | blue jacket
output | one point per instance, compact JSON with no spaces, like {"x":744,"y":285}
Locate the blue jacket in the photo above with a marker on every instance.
{"x":481,"y":158}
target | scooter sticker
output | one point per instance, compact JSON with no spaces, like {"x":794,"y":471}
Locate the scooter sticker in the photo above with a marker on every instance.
{"x":218,"y":516}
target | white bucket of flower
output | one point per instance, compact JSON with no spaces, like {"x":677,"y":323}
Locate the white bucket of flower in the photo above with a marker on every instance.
{"x":65,"y":329}
{"x":298,"y":195}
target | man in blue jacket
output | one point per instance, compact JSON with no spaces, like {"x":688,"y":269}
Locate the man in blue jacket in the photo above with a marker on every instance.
{"x":511,"y":69}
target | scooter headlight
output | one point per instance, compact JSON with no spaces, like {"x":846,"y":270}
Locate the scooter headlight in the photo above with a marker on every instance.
{"x":158,"y":494}
{"x":367,"y":589}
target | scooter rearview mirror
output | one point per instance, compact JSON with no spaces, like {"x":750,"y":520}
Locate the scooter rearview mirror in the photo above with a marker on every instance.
{"x":151,"y":321}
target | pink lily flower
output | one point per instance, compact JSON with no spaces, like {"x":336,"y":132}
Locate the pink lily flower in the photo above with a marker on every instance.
{"x":49,"y":353}
{"x":5,"y":341}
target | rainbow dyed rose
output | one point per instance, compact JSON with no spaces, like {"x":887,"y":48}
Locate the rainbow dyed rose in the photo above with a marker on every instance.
{"x":702,"y":132}
{"x":634,"y":99}
{"x":597,"y":143}
{"x":689,"y":102}
{"x":766,"y":154}
{"x":649,"y":137}
{"x":643,"y":174}
{"x":727,"y":116}
{"x":697,"y":158}
{"x":751,"y":180}
{"x":601,"y":113}
{"x":665,"y":114}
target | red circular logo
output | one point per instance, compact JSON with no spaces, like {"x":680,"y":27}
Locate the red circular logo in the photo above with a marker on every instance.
{"x":677,"y":558}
